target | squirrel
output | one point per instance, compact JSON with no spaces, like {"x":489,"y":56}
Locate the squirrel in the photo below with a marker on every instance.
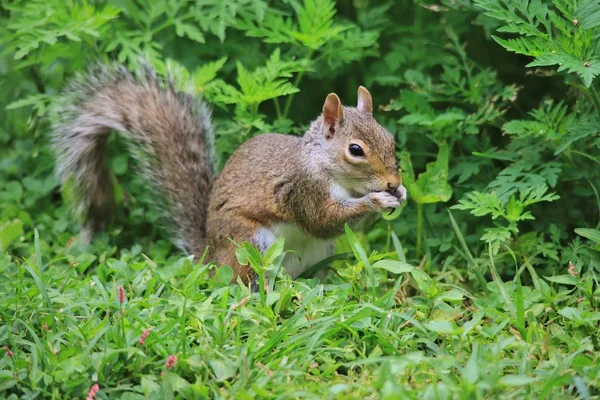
{"x":305,"y":188}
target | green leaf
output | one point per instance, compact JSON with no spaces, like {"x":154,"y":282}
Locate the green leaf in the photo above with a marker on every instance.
{"x":315,"y":25}
{"x":393,"y":266}
{"x":591,"y":234}
{"x":442,"y":327}
{"x":9,"y":232}
{"x":431,"y":186}
{"x":588,"y":14}
{"x":587,"y":69}
{"x":571,"y":313}
{"x":452,"y":296}
{"x":577,"y":132}
{"x":223,"y":369}
{"x":183,"y":29}
{"x":262,"y":84}
{"x":207,"y":73}
{"x":424,"y":282}
{"x":470,"y":372}
{"x":274,"y":251}
{"x":516,"y":380}
{"x":563,"y":279}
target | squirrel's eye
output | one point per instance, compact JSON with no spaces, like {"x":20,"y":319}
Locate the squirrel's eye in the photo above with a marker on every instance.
{"x":356,"y":150}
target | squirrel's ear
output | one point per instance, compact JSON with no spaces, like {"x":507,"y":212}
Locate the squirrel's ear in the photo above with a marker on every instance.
{"x":365,"y":102}
{"x":332,"y":113}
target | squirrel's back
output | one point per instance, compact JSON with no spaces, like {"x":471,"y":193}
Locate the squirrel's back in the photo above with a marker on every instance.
{"x":259,"y":165}
{"x":169,"y":133}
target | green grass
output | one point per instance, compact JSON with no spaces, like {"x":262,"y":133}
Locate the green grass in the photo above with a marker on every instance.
{"x":374,"y":334}
{"x":494,"y":105}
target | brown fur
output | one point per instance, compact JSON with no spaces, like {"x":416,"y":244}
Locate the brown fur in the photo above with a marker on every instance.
{"x":168,"y":132}
{"x":284,"y":186}
{"x":311,"y":182}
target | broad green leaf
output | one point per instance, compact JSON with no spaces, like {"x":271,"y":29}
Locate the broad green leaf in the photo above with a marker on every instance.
{"x":9,"y":232}
{"x":591,"y":234}
{"x":452,"y":295}
{"x":516,"y":380}
{"x":274,"y":251}
{"x":571,"y":313}
{"x":563,"y":279}
{"x":442,"y":327}
{"x":432,"y":185}
{"x":424,"y":282}
{"x":357,"y":249}
{"x":393,"y":266}
{"x":470,"y":372}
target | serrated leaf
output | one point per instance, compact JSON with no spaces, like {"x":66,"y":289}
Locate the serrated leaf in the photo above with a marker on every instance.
{"x":183,"y":29}
{"x":586,"y":69}
{"x":577,"y":132}
{"x":262,"y":84}
{"x":207,"y":72}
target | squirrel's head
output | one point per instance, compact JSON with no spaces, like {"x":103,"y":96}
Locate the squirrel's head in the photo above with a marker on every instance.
{"x":361,"y":153}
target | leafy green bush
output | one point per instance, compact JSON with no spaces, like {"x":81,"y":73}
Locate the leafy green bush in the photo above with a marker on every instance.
{"x":484,"y":284}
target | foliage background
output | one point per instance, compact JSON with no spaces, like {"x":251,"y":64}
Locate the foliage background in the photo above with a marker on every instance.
{"x":485,"y":283}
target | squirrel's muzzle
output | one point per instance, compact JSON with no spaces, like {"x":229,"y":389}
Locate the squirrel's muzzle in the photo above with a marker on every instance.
{"x":394,"y":181}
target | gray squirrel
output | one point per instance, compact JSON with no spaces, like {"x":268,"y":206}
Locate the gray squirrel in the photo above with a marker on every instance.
{"x":304,"y":188}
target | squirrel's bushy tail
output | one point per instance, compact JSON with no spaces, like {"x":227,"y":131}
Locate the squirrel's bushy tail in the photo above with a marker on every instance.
{"x":169,"y":133}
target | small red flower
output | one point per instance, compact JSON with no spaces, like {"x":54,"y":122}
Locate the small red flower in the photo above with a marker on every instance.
{"x":171,"y":360}
{"x":92,"y":392}
{"x":8,"y":352}
{"x":121,"y":295}
{"x":241,"y":303}
{"x":70,"y":241}
{"x":144,"y":335}
{"x":573,"y":269}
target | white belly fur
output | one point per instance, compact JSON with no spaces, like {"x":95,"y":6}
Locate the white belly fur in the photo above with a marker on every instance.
{"x":307,"y":250}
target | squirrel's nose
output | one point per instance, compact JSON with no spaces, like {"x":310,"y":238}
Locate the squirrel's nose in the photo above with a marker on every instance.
{"x":395,"y":184}
{"x":394,"y":181}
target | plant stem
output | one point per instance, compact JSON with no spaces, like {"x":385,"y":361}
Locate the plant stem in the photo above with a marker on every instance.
{"x":595,"y":99}
{"x":277,"y":108}
{"x":586,"y":156}
{"x":182,"y":324}
{"x":309,"y":273}
{"x":288,"y":103}
{"x":254,"y":109}
{"x":419,"y":228}
{"x":162,"y":26}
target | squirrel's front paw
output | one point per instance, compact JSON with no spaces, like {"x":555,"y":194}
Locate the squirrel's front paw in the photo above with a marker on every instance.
{"x":401,"y":194}
{"x":381,"y":200}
